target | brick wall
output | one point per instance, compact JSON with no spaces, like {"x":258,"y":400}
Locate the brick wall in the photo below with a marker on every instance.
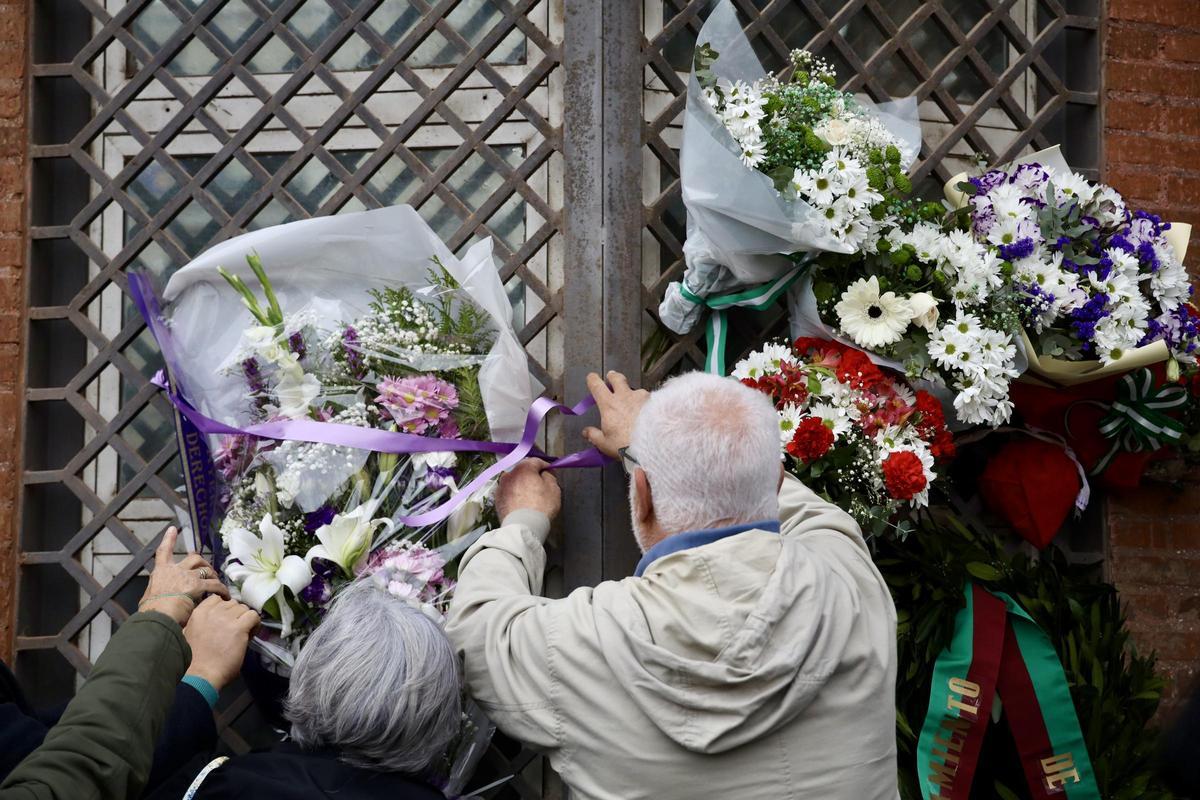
{"x":13,"y":35}
{"x":1152,"y":147}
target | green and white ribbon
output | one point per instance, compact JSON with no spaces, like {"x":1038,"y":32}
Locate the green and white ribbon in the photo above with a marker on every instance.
{"x":757,"y":298}
{"x":1136,"y":420}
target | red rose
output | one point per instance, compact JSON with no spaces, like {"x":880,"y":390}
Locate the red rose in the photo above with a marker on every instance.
{"x":812,"y":439}
{"x":903,"y":474}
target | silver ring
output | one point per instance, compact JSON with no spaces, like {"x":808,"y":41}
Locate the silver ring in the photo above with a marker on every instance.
{"x":205,"y":573}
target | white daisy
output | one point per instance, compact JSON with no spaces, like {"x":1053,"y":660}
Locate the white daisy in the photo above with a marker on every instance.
{"x":872,"y":319}
{"x":789,"y":418}
{"x":836,"y":417}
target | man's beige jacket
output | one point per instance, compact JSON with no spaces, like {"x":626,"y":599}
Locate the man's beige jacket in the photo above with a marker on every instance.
{"x":760,"y":666}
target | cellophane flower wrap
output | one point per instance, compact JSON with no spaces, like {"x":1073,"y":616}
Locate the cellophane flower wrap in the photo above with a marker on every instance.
{"x":363,"y":320}
{"x":772,"y":166}
{"x":1093,"y":280}
{"x":861,"y":438}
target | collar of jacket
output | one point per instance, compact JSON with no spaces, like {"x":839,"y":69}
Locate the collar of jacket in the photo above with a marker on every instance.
{"x":690,"y":539}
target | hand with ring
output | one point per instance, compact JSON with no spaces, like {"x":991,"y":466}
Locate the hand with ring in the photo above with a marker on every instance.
{"x":176,"y":588}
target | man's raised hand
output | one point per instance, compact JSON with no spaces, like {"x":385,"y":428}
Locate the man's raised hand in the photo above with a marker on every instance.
{"x":619,"y":407}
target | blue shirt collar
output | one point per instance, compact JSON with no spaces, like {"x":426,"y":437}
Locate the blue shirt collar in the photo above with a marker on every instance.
{"x":690,"y":539}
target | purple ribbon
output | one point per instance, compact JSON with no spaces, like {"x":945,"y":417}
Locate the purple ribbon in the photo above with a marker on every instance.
{"x":339,"y":434}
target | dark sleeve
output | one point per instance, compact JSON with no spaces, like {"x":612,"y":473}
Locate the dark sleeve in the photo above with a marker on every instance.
{"x":103,"y":747}
{"x":190,"y":732}
{"x":174,"y":785}
{"x":20,"y":735}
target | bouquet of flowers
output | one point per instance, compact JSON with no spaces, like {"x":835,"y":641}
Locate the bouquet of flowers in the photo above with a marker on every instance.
{"x":1098,"y":289}
{"x":347,"y":350}
{"x":853,"y":434}
{"x":303,"y":518}
{"x":773,"y":166}
{"x":932,"y":304}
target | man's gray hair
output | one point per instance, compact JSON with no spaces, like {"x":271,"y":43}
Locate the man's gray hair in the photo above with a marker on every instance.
{"x":378,"y":682}
{"x":710,"y":449}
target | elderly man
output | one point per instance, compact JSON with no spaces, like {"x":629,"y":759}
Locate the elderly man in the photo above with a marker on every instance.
{"x":752,"y":654}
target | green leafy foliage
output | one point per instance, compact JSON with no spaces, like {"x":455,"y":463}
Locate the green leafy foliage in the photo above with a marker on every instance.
{"x":1115,"y":690}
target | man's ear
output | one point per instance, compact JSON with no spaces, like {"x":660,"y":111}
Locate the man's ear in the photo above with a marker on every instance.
{"x":643,"y":501}
{"x":782,"y":473}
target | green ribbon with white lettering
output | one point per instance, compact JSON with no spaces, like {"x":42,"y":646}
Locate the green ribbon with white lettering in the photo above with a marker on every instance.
{"x":1136,"y":420}
{"x":757,"y":298}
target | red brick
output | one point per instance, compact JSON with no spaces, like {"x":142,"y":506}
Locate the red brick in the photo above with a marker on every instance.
{"x":1126,"y":149}
{"x":1136,"y":182}
{"x":1183,"y":190}
{"x":1181,"y":14}
{"x":1125,"y":41}
{"x":1180,"y":116}
{"x":1181,"y":47}
{"x":1164,"y":568}
{"x":1131,"y":115}
{"x":12,"y":251}
{"x":1158,"y":79}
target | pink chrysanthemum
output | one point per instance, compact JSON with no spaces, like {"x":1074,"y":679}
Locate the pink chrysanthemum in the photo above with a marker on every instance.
{"x":421,"y":404}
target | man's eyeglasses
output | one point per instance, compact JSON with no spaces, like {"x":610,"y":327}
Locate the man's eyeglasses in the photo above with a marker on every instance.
{"x":628,"y":462}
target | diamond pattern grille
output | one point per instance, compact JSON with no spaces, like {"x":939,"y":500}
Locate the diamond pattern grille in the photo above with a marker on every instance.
{"x":167,"y":125}
{"x":992,"y":77}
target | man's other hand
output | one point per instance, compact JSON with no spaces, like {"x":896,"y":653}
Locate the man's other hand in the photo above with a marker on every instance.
{"x":619,"y":408}
{"x":219,"y":633}
{"x":529,"y":486}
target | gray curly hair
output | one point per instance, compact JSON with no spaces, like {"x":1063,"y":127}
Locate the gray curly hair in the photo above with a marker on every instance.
{"x":378,"y":682}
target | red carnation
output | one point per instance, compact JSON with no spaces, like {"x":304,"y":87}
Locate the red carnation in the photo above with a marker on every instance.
{"x":931,"y":410}
{"x":904,"y":475}
{"x":859,"y":371}
{"x":812,"y":439}
{"x":942,"y":445}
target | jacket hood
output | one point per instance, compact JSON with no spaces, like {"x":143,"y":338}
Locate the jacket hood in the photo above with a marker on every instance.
{"x":723,"y":644}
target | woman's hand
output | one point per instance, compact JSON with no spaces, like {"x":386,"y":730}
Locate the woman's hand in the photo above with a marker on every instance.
{"x":219,"y":633}
{"x":176,"y":589}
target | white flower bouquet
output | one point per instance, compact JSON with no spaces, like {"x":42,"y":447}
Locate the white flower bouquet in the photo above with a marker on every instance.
{"x":929,"y":302}
{"x":333,"y":367}
{"x":774,"y":167}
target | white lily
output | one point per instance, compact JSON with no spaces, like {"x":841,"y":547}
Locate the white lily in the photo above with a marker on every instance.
{"x":347,"y":539}
{"x":263,"y":570}
{"x":464,"y":518}
{"x":296,"y":392}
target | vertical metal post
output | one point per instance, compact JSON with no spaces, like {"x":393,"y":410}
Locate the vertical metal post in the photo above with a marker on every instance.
{"x":622,"y":147}
{"x":583,"y":290}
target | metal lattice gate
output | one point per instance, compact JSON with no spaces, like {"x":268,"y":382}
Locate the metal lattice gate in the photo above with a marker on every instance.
{"x":162,"y":126}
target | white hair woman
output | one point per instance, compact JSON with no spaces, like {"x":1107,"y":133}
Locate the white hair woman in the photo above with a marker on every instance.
{"x":374,"y":700}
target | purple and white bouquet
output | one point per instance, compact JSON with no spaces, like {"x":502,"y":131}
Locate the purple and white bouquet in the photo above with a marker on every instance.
{"x":328,"y":360}
{"x":302,"y":518}
{"x":1099,"y":288}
